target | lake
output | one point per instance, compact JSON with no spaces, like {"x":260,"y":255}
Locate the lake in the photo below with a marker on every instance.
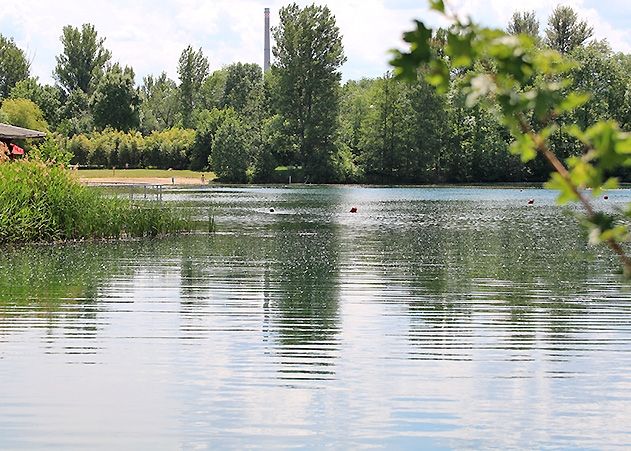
{"x":432,"y":318}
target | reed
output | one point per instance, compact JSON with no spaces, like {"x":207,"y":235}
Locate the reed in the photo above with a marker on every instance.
{"x":40,"y":202}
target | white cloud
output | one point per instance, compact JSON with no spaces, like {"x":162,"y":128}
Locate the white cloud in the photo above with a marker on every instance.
{"x":150,"y":35}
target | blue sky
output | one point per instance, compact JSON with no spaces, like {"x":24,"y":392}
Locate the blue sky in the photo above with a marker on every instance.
{"x":150,"y":34}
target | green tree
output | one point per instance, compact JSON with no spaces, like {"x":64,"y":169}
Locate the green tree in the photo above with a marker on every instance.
{"x":24,"y":113}
{"x":193,"y":70}
{"x":308,"y":52}
{"x":565,"y":31}
{"x":422,"y":160}
{"x":243,"y":82}
{"x":13,"y":65}
{"x":83,"y":59}
{"x":526,"y":87}
{"x":207,"y":124}
{"x":159,"y":107}
{"x":524,"y":22}
{"x":115,"y":101}
{"x":75,"y":114}
{"x":600,"y":73}
{"x":211,"y":94}
{"x":355,"y":105}
{"x":477,"y":147}
{"x":386,"y":130}
{"x":230,"y":157}
{"x":47,"y":97}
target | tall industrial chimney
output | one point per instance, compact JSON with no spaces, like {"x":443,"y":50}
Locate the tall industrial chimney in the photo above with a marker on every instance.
{"x":266,"y":54}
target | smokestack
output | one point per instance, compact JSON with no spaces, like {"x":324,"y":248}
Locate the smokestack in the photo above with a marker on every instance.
{"x":266,"y":50}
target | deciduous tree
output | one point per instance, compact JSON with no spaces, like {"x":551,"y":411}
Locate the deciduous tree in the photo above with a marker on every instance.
{"x":83,"y":59}
{"x":115,"y":101}
{"x":13,"y":65}
{"x":309,"y":54}
{"x":565,"y":31}
{"x":193,"y":70}
{"x":159,"y":107}
{"x":524,"y":22}
{"x":47,"y":97}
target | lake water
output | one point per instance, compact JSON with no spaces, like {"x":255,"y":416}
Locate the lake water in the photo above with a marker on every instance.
{"x":432,"y":318}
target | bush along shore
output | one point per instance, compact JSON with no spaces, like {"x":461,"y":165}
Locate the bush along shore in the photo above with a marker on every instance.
{"x":45,"y":203}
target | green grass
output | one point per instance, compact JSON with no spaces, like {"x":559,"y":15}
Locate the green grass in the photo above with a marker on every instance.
{"x":46,"y":203}
{"x":143,"y":173}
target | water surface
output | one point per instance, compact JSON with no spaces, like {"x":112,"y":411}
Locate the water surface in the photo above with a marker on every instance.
{"x":434,"y":318}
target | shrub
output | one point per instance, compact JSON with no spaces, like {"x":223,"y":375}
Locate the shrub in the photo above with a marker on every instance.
{"x":45,"y":203}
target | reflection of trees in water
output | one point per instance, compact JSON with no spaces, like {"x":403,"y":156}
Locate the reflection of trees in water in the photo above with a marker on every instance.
{"x":56,"y":284}
{"x":58,"y":287}
{"x":526,"y":275}
{"x":290,"y":259}
{"x":302,"y":288}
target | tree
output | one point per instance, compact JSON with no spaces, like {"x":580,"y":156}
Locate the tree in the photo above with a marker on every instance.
{"x":13,"y":65}
{"x":24,"y":113}
{"x":212,"y":90}
{"x":207,"y":124}
{"x":229,"y":158}
{"x":601,"y":74}
{"x":355,"y":105}
{"x":386,"y":130}
{"x":46,"y":97}
{"x":75,"y":114}
{"x":525,"y":86}
{"x":83,"y":59}
{"x":524,"y":22}
{"x":243,"y":81}
{"x":159,"y":107}
{"x":115,"y":101}
{"x":565,"y":32}
{"x":192,"y":69}
{"x":308,"y":54}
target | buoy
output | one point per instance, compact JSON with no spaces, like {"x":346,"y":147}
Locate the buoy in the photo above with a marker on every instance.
{"x":354,"y":210}
{"x":531,"y":201}
{"x":605,"y":197}
{"x":271,"y":210}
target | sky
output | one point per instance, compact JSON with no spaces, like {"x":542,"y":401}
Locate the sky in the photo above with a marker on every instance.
{"x":149,"y":35}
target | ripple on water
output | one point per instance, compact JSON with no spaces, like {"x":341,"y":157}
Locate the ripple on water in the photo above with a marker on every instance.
{"x":431,"y":318}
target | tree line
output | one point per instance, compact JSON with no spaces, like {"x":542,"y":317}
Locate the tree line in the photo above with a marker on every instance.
{"x":298,"y":118}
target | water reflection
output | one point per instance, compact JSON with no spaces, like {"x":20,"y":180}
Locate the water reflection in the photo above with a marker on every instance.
{"x":431,"y":318}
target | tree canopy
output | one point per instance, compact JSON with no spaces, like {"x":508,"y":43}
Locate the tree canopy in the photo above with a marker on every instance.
{"x":524,"y":22}
{"x":193,"y":70}
{"x":308,"y":55}
{"x":115,"y":102}
{"x":565,"y":31}
{"x":13,"y":65}
{"x":82,"y":60}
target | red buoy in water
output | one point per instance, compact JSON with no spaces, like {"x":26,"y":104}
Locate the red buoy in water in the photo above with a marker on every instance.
{"x":531,"y":201}
{"x":354,"y":210}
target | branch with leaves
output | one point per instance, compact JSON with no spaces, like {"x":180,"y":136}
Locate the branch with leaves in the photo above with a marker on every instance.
{"x":529,"y":89}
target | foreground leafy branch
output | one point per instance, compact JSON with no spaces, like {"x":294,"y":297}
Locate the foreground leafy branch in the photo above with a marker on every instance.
{"x":529,"y":89}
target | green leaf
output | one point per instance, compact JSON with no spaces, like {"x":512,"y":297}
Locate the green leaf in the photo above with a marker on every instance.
{"x":437,"y":5}
{"x":524,"y":146}
{"x":459,"y":49}
{"x":565,"y":188}
{"x":407,"y":63}
{"x":439,"y":75}
{"x":573,"y":101}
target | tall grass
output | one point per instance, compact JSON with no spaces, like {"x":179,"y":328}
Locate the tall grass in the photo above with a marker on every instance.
{"x":39,"y":202}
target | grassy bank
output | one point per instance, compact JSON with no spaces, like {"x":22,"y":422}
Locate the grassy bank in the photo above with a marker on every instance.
{"x":46,"y":203}
{"x":144,"y":174}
